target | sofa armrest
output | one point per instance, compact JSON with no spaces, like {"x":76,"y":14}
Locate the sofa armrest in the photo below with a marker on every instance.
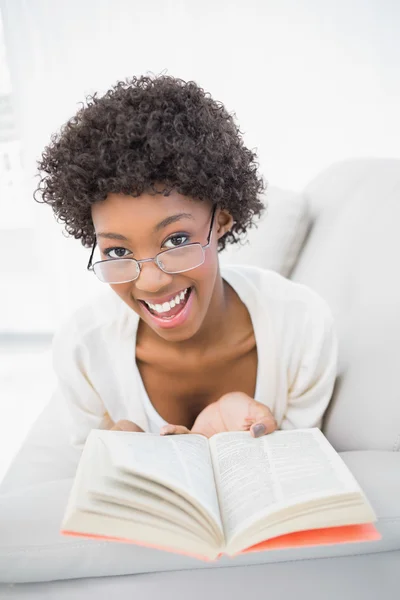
{"x":46,"y":454}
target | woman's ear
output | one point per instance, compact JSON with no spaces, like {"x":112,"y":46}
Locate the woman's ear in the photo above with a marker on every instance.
{"x":224,"y":222}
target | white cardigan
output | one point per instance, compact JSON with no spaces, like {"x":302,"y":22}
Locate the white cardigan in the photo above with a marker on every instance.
{"x":94,"y":355}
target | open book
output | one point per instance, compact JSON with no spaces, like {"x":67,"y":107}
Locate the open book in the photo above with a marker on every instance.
{"x":224,"y":495}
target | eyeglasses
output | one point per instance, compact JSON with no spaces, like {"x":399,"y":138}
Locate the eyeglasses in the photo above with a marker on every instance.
{"x":175,"y":260}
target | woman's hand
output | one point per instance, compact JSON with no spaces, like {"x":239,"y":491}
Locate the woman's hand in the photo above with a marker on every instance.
{"x":235,"y":411}
{"x":123,"y":425}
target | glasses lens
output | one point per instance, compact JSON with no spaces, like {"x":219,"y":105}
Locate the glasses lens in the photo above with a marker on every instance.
{"x":181,"y":259}
{"x":116,"y":271}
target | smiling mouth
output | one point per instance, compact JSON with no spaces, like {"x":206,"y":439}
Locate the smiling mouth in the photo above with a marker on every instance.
{"x":168,"y":310}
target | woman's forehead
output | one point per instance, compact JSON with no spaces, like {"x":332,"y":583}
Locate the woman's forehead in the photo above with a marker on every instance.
{"x":150,"y":212}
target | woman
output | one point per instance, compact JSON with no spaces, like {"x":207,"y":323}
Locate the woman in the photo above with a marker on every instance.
{"x":155,"y":178}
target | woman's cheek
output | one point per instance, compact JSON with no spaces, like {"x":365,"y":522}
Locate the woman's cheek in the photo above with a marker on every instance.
{"x":125,"y":292}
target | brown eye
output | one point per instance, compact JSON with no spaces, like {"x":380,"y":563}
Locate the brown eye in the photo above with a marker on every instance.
{"x":177,"y":240}
{"x":119,"y":252}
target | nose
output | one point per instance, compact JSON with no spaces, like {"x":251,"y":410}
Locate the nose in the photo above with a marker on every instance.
{"x":152,"y":278}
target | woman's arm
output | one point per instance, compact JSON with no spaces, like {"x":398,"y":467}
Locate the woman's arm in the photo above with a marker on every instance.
{"x":84,"y":407}
{"x":315,"y":371}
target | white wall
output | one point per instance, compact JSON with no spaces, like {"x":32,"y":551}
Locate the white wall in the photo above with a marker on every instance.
{"x":311,"y":82}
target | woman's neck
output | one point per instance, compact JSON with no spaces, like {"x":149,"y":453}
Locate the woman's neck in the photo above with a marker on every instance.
{"x":215,"y":326}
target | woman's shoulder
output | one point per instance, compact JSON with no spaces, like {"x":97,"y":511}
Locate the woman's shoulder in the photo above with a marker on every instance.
{"x":270,"y":288}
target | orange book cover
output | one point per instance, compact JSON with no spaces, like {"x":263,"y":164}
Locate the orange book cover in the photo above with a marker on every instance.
{"x":365,"y":532}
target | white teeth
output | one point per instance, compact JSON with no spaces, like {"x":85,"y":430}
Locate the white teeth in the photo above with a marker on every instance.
{"x":166,"y":306}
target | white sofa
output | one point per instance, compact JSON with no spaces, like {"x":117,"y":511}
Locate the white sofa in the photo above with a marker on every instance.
{"x":346,"y":245}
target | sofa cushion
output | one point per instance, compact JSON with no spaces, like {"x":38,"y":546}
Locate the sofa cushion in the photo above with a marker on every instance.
{"x":351,"y":258}
{"x":344,"y":577}
{"x":280,"y":233}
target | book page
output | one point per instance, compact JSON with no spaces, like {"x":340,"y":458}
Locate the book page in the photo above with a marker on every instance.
{"x":181,"y":462}
{"x":171,"y":519}
{"x":125,"y":489}
{"x":113,"y":485}
{"x":113,"y":493}
{"x":257,"y":476}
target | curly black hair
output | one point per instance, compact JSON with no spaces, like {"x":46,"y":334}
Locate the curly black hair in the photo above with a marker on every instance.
{"x":147,"y":130}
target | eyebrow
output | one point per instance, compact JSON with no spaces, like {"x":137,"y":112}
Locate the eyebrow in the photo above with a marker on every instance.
{"x":112,"y":236}
{"x":172,"y":219}
{"x":167,"y":221}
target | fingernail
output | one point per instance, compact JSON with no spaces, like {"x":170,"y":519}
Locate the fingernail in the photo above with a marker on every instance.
{"x":259,"y":430}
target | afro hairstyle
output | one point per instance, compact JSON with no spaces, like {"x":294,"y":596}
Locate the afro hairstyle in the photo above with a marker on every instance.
{"x":144,"y":131}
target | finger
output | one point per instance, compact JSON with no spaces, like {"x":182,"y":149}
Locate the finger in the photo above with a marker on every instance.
{"x":203,"y":426}
{"x":125,"y":425}
{"x":173,"y":430}
{"x":257,"y":410}
{"x":264,"y":426}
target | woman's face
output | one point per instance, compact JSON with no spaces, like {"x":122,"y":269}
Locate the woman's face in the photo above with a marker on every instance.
{"x":141,"y":228}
